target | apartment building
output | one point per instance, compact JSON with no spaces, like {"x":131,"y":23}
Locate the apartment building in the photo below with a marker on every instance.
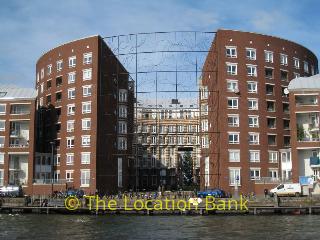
{"x":243,"y":91}
{"x":84,"y":114}
{"x":305,"y":118}
{"x":164,"y":133}
{"x":17,"y":111}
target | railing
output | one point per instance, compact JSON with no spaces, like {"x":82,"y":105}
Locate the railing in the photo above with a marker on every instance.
{"x":49,"y":181}
{"x":309,"y":139}
{"x":272,"y":180}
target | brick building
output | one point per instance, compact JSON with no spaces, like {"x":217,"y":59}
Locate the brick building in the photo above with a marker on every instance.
{"x":17,"y":111}
{"x":243,"y":92}
{"x":85,"y":112}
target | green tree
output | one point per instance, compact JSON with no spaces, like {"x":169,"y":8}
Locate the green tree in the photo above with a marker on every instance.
{"x":300,"y":132}
{"x":187,"y":169}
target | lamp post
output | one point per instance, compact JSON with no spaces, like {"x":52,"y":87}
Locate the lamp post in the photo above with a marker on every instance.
{"x":52,"y":164}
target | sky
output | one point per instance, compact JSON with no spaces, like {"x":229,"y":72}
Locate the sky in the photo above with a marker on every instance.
{"x":30,"y":28}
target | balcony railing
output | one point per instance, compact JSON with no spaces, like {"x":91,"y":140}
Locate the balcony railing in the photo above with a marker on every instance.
{"x":314,"y":161}
{"x":49,"y":181}
{"x":272,"y":180}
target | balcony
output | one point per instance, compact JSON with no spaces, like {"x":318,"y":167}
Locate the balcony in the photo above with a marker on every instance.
{"x":21,"y":109}
{"x":315,"y":161}
{"x":306,"y":101}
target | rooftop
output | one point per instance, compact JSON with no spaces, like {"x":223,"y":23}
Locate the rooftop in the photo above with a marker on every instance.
{"x":14,"y":92}
{"x":305,"y":83}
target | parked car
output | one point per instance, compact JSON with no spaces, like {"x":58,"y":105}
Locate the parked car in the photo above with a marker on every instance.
{"x":11,"y":191}
{"x":287,"y":189}
{"x":217,"y":193}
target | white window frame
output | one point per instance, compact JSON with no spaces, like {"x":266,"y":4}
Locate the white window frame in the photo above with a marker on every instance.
{"x":70,"y":172}
{"x":122,"y":143}
{"x":231,"y":51}
{"x":232,"y":69}
{"x":256,"y":138}
{"x":122,"y":127}
{"x":268,"y":56}
{"x":87,"y":58}
{"x":71,"y":109}
{"x":86,"y":107}
{"x":123,"y":95}
{"x":69,"y":142}
{"x":232,"y":85}
{"x":70,"y":159}
{"x":283,"y":59}
{"x":252,"y":83}
{"x":70,"y":91}
{"x":255,"y":171}
{"x":123,"y":111}
{"x":253,"y":70}
{"x":234,"y":155}
{"x":49,"y":69}
{"x":252,"y":106}
{"x":305,"y":66}
{"x":87,"y":74}
{"x":5,"y":108}
{"x":85,"y":157}
{"x":84,"y":177}
{"x":254,"y":156}
{"x":255,"y":121}
{"x":234,"y":100}
{"x":236,"y":120}
{"x":296,"y":63}
{"x":70,"y":125}
{"x":273,"y":156}
{"x":1,"y":157}
{"x":1,"y":177}
{"x":71,"y":77}
{"x":234,"y":173}
{"x":252,"y":53}
{"x":87,"y":90}
{"x":72,"y":61}
{"x":59,"y":65}
{"x":2,"y":129}
{"x":235,"y":137}
{"x":85,"y":140}
{"x":86,"y":123}
{"x":4,"y":139}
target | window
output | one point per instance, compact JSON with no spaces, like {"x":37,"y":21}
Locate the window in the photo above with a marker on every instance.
{"x":49,"y":69}
{"x":254,"y":156}
{"x":286,"y":124}
{"x":72,"y":61}
{"x":233,"y":120}
{"x":233,"y":138}
{"x":204,"y":92}
{"x":85,"y":140}
{"x":69,"y":175}
{"x":272,"y":140}
{"x":1,"y":177}
{"x":305,"y":67}
{"x":122,"y":127}
{"x":296,"y":63}
{"x":255,"y":173}
{"x":87,"y":74}
{"x":233,"y":103}
{"x":1,"y":159}
{"x":252,"y":87}
{"x":268,"y":56}
{"x":48,"y":99}
{"x":285,"y":107}
{"x":122,"y":143}
{"x":70,"y":159}
{"x":283,"y":75}
{"x":59,"y":65}
{"x":283,"y":59}
{"x":87,"y":58}
{"x":1,"y":141}
{"x":269,"y":89}
{"x":71,"y":93}
{"x":123,"y":93}
{"x":70,"y":142}
{"x":57,"y":160}
{"x":271,"y":106}
{"x":204,"y":142}
{"x":122,"y":111}
{"x":86,"y":124}
{"x":234,"y":155}
{"x":71,"y":109}
{"x":253,"y":104}
{"x":231,"y":52}
{"x":86,"y":107}
{"x":251,"y":70}
{"x":271,"y":122}
{"x":86,"y":90}
{"x":296,"y":75}
{"x":2,"y":125}
{"x":59,"y":81}
{"x":70,"y":126}
{"x":85,"y":178}
{"x":273,"y":172}
{"x":42,"y":73}
{"x":234,"y":176}
{"x":85,"y":157}
{"x":253,"y":121}
{"x":48,"y":84}
{"x":231,"y":68}
{"x":2,"y":109}
{"x":71,"y":77}
{"x":119,"y":172}
{"x":273,"y":157}
{"x":251,"y":53}
{"x":232,"y":85}
{"x":253,"y":138}
{"x":268,"y":73}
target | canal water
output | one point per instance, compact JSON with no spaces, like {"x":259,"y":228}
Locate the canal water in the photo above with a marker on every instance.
{"x":158,"y":227}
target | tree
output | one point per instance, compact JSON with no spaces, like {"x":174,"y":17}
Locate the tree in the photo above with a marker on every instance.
{"x":300,"y":132}
{"x":187,"y":169}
